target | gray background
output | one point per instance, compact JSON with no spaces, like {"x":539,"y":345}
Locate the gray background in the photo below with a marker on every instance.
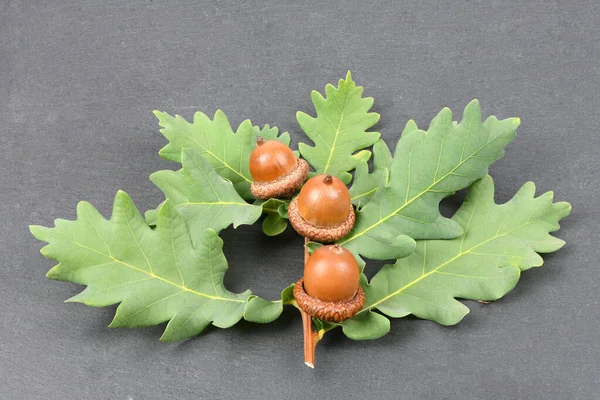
{"x":78,"y":82}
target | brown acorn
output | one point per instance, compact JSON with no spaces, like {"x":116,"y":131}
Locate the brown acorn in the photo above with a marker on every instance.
{"x":330,"y":288}
{"x":322,"y":211}
{"x":276,"y":170}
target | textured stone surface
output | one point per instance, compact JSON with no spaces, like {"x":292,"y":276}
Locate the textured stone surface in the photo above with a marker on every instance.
{"x":318,"y":234}
{"x":78,"y":82}
{"x":328,"y":310}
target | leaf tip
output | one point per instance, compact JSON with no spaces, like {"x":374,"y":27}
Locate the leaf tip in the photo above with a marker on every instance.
{"x":346,"y":177}
{"x":405,"y":245}
{"x":164,"y":153}
{"x":473,"y":103}
{"x":74,"y":299}
{"x":300,"y":115}
{"x":122,"y":197}
{"x":363,"y":155}
{"x":167,"y":337}
{"x":559,"y":243}
{"x":154,"y":177}
{"x":568,"y":207}
{"x":115,"y":322}
{"x":53,"y":273}
{"x":212,"y":234}
{"x":472,"y":110}
{"x":487,"y":180}
{"x":528,"y":189}
{"x":36,"y":231}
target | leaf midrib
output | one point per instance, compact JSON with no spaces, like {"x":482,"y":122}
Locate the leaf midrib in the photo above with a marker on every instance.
{"x":153,"y":275}
{"x":337,"y":132}
{"x":221,"y":161}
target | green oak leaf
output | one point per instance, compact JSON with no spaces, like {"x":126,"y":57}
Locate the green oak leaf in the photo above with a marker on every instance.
{"x":276,"y":220}
{"x":156,"y":275}
{"x":269,"y":133}
{"x":276,"y":209}
{"x":427,"y":166}
{"x":339,"y":130}
{"x":366,"y":326}
{"x":228,"y":152}
{"x":202,"y":197}
{"x":484,"y":263}
{"x":151,"y":215}
{"x":365,"y":184}
{"x":263,"y":311}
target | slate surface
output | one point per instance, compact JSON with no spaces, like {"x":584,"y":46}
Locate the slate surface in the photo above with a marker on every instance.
{"x":78,"y":82}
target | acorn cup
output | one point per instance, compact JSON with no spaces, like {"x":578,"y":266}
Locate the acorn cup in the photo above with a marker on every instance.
{"x":322,"y":211}
{"x":330,"y":288}
{"x":276,"y":170}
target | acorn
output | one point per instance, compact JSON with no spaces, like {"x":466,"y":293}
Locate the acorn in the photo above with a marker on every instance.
{"x":276,"y":170}
{"x":322,"y":211}
{"x":330,"y":289}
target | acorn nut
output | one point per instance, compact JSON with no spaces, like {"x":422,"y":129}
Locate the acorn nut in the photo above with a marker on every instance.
{"x":322,"y":211}
{"x":276,"y":170}
{"x":330,"y":288}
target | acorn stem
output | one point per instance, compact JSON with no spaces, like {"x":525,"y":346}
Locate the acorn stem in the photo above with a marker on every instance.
{"x":306,"y":240}
{"x":310,"y":336}
{"x":260,"y":141}
{"x":310,"y":340}
{"x":328,"y":179}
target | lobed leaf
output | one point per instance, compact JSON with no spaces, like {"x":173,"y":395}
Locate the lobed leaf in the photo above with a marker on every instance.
{"x":202,"y":197}
{"x":276,"y":220}
{"x":484,"y":263}
{"x":156,"y":275}
{"x":365,"y":184}
{"x":227,"y":152}
{"x":427,"y":166}
{"x":339,"y":129}
{"x":263,"y":311}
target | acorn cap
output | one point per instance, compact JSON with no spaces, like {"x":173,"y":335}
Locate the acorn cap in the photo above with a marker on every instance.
{"x":328,"y":310}
{"x":317,"y":233}
{"x":284,"y":186}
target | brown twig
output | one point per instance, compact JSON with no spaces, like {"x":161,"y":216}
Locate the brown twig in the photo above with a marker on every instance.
{"x":310,"y":336}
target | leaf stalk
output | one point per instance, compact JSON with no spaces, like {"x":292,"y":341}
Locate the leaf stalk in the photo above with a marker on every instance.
{"x":311,"y":337}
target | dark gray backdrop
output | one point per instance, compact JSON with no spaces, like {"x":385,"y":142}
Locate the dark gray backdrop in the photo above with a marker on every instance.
{"x":78,"y":82}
